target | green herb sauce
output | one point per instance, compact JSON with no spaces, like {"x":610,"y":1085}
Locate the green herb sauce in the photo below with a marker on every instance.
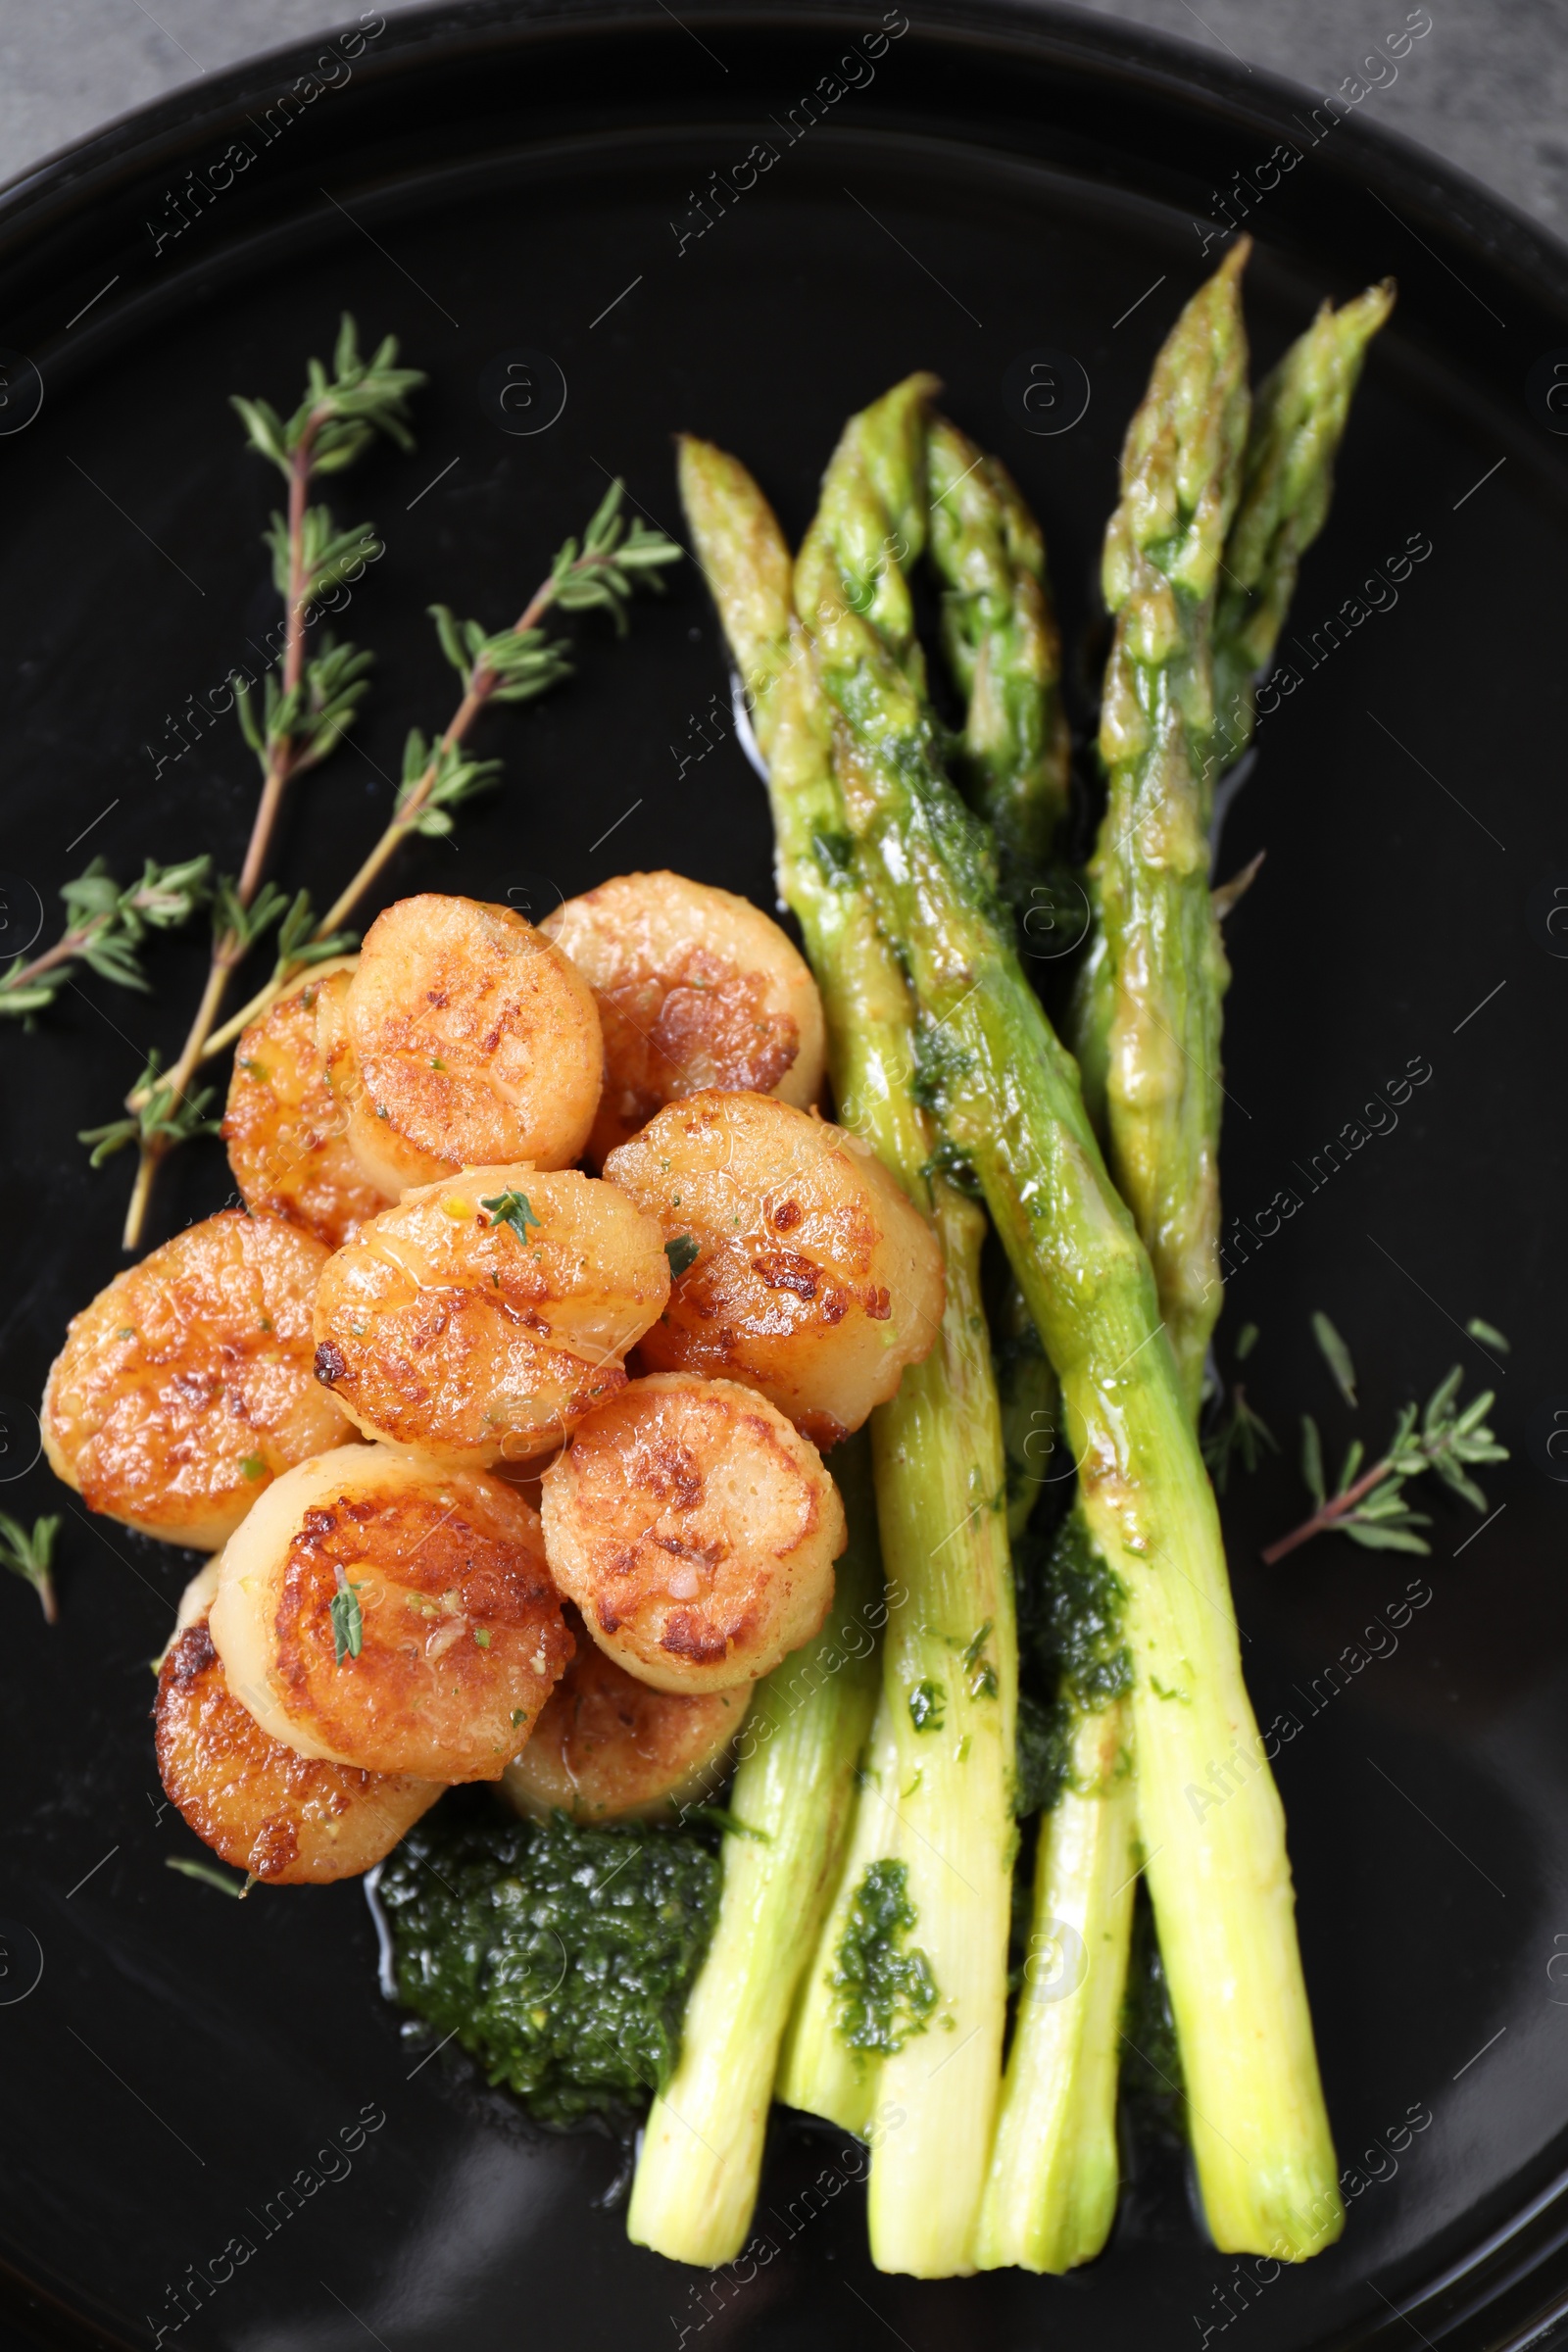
{"x":927,"y":1704}
{"x":1071,"y":1651}
{"x":559,"y":1956}
{"x":886,"y":1991}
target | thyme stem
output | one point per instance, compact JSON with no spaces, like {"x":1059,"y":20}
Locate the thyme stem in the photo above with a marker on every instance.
{"x":480,"y":688}
{"x":228,"y":948}
{"x":1329,"y":1514}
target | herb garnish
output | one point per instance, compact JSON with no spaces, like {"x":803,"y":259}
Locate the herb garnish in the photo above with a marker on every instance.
{"x":1238,"y":1433}
{"x":304,"y":714}
{"x":927,"y":1703}
{"x":348,"y":1620}
{"x":1336,"y":1356}
{"x":208,"y":1876}
{"x":681,"y":1252}
{"x":510,"y":666}
{"x":514,"y":1210}
{"x":103,"y":929}
{"x":1371,"y":1508}
{"x":28,"y":1553}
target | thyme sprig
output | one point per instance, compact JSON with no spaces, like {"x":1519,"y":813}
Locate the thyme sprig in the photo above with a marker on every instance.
{"x":600,"y":572}
{"x":28,"y":1552}
{"x":1239,"y":1434}
{"x":162,"y":1118}
{"x":1370,"y":1507}
{"x":105,"y":928}
{"x":304,"y":713}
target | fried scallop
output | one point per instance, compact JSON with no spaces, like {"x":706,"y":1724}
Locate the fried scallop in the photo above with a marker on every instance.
{"x":378,"y":1611}
{"x":285,"y":1128}
{"x":608,"y":1747}
{"x":801,"y":1268}
{"x":286,"y":1818}
{"x":694,"y":988}
{"x":696,"y":1530}
{"x":186,"y":1387}
{"x":484,"y":1316}
{"x":466,"y":1039}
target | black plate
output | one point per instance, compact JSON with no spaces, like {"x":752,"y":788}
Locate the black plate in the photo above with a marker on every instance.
{"x":489,"y":181}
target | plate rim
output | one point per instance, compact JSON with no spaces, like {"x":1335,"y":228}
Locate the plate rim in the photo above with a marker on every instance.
{"x":1517,"y":2272}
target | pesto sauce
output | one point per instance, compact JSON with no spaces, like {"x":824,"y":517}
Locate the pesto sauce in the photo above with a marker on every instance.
{"x":1153,"y":2095}
{"x":927,"y":1704}
{"x":1072,"y":1655}
{"x":559,"y":1956}
{"x":886,"y":1993}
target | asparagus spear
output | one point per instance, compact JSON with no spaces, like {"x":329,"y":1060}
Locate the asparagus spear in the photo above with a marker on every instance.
{"x":1011,"y":1103}
{"x":702,"y":2149}
{"x":1180,"y":478}
{"x":1002,"y":641}
{"x":818,"y":2070}
{"x":1050,"y":2198}
{"x":1050,"y":2195}
{"x":946,"y":1721}
{"x":1298,"y":423}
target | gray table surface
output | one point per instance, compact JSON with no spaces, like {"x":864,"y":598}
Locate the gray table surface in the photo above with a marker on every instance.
{"x":1487,"y":88}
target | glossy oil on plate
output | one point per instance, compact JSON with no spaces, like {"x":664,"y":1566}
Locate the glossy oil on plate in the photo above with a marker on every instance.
{"x":215,"y":2131}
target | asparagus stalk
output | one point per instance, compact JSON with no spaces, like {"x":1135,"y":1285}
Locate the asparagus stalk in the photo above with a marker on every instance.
{"x":819,"y":2071}
{"x":1011,"y":1103}
{"x":1298,"y":421}
{"x":1001,"y":642}
{"x":1031,"y":1410}
{"x":950,"y":1668}
{"x":1050,"y":2198}
{"x":949,"y":1675}
{"x":702,"y":2149}
{"x":1181,"y":474}
{"x":1050,"y":2195}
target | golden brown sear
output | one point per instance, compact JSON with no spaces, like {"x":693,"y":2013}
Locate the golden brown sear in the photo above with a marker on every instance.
{"x":608,"y":1747}
{"x":187,"y":1385}
{"x":285,"y":1128}
{"x":696,"y":1530}
{"x":467,"y":1040}
{"x":289,"y":1819}
{"x":696,"y":989}
{"x":801,"y":1267}
{"x":381,"y":1611}
{"x":484,"y":1316}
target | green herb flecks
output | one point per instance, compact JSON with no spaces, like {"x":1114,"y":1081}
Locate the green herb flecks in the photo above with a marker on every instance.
{"x":927,"y":1705}
{"x":681,"y":1252}
{"x":884,"y":1987}
{"x":514,"y":1210}
{"x":348,"y":1620}
{"x":559,"y":1956}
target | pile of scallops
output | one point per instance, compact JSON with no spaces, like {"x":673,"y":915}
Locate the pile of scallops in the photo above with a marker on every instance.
{"x":501,"y":1402}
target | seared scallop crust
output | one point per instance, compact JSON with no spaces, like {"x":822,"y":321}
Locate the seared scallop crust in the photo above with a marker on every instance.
{"x":696,"y":1530}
